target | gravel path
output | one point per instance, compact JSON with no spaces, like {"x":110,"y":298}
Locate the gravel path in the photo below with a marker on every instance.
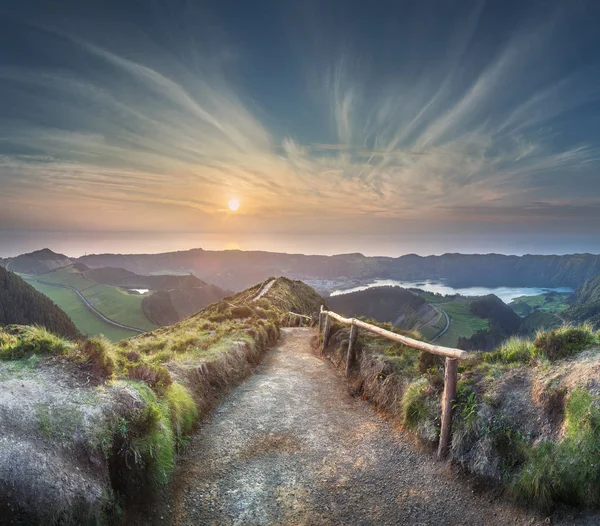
{"x":291,"y":446}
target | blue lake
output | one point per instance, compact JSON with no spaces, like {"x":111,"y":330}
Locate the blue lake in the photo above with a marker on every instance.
{"x":506,"y":294}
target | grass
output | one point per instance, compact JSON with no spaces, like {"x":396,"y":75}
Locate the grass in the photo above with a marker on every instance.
{"x":567,"y":470}
{"x":513,"y":350}
{"x":85,"y":320}
{"x":564,"y":342}
{"x":115,"y":303}
{"x":18,"y":342}
{"x":462,"y":321}
{"x":552,"y":302}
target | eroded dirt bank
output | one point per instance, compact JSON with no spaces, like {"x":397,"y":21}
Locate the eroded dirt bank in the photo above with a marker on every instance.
{"x":291,"y":446}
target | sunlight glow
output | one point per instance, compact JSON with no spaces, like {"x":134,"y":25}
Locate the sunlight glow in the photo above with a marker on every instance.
{"x":233,"y":205}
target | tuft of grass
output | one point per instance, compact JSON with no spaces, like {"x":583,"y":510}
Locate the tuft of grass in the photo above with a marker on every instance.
{"x":564,"y":342}
{"x":17,"y":342}
{"x":183,"y":411}
{"x":513,"y":350}
{"x":569,"y":470}
{"x":99,"y":354}
{"x":156,"y":376}
{"x":147,"y":438}
{"x":414,"y":404}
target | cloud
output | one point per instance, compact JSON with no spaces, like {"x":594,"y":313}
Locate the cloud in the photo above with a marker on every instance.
{"x":160,"y":142}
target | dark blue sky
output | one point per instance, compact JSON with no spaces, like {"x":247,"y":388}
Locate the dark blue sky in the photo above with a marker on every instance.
{"x":428,"y":118}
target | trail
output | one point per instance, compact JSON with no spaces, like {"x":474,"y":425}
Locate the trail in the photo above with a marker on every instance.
{"x":291,"y":446}
{"x":263,"y":290}
{"x":89,"y":305}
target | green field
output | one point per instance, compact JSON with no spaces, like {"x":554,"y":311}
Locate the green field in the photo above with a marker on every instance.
{"x":462,"y":321}
{"x":115,"y":303}
{"x":85,"y":320}
{"x":550,"y":302}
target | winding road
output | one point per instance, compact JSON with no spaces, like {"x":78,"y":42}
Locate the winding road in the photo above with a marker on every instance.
{"x":445,"y":329}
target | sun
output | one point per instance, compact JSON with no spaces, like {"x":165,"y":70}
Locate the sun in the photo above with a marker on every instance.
{"x":233,"y":205}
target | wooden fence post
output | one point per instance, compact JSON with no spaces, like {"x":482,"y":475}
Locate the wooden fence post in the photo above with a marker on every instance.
{"x":350,"y":358}
{"x":450,"y":380}
{"x":326,"y":332}
{"x":320,"y":324}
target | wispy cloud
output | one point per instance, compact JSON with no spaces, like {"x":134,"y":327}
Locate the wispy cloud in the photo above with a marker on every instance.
{"x":111,"y":136}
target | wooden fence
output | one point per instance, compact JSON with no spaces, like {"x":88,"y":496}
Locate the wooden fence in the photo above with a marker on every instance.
{"x":302,"y":317}
{"x":451,"y":368}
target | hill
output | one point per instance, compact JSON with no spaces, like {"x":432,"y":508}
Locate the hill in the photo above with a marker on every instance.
{"x":234,"y":269}
{"x":111,"y":418}
{"x":129,"y":300}
{"x":20,"y":303}
{"x":38,"y":262}
{"x":394,"y":305}
{"x":503,"y":322}
{"x":176,"y":296}
{"x":585,"y":303}
{"x":475,"y":323}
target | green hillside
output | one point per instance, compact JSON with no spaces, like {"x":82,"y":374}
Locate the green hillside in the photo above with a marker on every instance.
{"x":86,"y":321}
{"x":113,"y":302}
{"x":463,"y":323}
{"x":585,"y":306}
{"x":22,"y":304}
{"x":547,"y":302}
{"x":400,"y":307}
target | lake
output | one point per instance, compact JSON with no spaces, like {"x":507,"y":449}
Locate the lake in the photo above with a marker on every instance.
{"x":506,"y":294}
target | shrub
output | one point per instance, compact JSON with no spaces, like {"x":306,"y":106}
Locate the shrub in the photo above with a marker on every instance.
{"x":414,"y":404}
{"x":19,"y":342}
{"x":97,"y":353}
{"x":564,"y":342}
{"x":428,"y":361}
{"x":156,"y":376}
{"x":513,"y":350}
{"x":241,"y":311}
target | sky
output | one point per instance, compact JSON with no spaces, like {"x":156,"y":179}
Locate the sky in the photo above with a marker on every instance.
{"x":423,"y":126}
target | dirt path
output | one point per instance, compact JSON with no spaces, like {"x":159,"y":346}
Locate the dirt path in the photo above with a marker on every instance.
{"x":263,"y":290}
{"x":291,"y":446}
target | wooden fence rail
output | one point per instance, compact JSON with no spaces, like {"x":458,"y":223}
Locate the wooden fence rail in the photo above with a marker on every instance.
{"x":301,"y":316}
{"x":451,"y":367}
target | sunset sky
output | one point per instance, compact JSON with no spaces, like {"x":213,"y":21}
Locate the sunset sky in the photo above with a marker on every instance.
{"x":430,"y":118}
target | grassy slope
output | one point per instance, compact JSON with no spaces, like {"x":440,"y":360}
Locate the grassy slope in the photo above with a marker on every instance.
{"x":175,"y":375}
{"x":85,"y":320}
{"x":113,"y":302}
{"x":554,"y":302}
{"x":462,"y":321}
